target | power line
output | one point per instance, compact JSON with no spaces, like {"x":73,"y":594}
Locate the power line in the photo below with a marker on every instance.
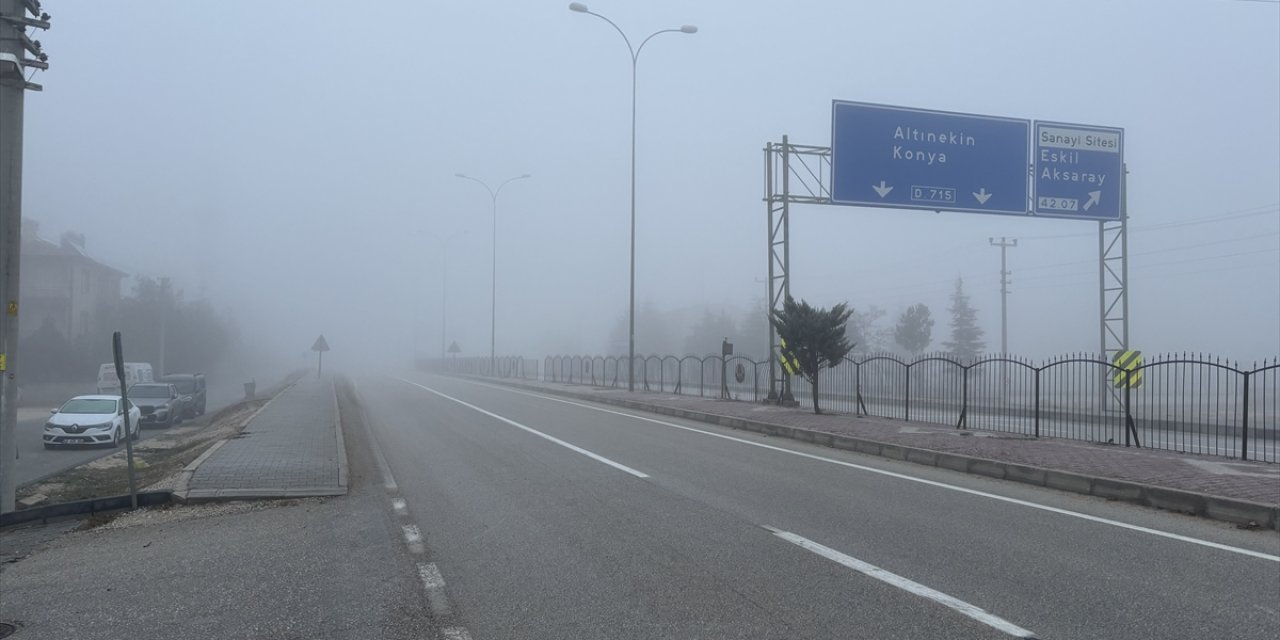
{"x":1168,"y":274}
{"x":1155,"y":251}
{"x":1151,"y":265}
{"x":1236,"y":214}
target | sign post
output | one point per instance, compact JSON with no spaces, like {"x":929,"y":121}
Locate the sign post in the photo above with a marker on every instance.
{"x":726,"y":350}
{"x":117,"y":351}
{"x":320,"y":347}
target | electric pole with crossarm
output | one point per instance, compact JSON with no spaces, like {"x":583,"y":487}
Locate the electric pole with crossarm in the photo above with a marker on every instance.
{"x":18,"y":53}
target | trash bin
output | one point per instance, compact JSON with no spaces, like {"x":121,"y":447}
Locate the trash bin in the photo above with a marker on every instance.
{"x":250,"y":389}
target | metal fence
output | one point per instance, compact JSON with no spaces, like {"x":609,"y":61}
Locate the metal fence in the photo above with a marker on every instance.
{"x":1184,"y":402}
{"x":502,"y":367}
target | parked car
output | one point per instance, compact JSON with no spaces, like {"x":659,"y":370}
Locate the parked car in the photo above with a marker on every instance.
{"x":95,"y":419}
{"x":134,"y":373}
{"x":190,"y":384}
{"x":160,"y":402}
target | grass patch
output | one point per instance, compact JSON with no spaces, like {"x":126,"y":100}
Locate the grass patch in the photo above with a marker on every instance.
{"x":156,"y":461}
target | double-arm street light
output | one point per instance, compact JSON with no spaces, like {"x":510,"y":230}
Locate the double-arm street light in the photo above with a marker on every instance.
{"x":635,"y":57}
{"x":493,"y":304}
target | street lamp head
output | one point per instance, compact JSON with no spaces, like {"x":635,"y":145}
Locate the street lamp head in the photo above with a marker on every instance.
{"x":527,"y":175}
{"x":578,"y":6}
{"x":688,"y":28}
{"x":459,"y":175}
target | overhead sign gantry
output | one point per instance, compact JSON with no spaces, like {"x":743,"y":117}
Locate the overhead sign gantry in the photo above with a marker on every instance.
{"x":907,"y":158}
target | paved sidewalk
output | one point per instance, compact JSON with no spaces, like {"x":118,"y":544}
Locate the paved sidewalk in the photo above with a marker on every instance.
{"x":293,"y":447}
{"x":1215,"y":487}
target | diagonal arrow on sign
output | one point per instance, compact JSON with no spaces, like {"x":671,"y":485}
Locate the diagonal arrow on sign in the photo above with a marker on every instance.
{"x":982,"y":196}
{"x":883,"y":190}
{"x":1094,"y":198}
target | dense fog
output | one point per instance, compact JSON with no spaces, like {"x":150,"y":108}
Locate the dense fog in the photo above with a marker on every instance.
{"x":291,"y":168}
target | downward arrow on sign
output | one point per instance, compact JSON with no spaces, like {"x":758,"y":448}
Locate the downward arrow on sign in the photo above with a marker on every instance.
{"x":882,"y":190}
{"x":982,"y":195}
{"x":1094,"y":198}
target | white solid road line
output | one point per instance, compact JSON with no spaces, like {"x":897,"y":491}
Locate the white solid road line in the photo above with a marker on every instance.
{"x":455,"y":633}
{"x":901,"y":476}
{"x":900,"y":582}
{"x":594,"y":456}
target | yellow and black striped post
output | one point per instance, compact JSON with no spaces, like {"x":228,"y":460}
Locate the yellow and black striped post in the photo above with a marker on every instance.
{"x":1129,"y":374}
{"x":790,"y":364}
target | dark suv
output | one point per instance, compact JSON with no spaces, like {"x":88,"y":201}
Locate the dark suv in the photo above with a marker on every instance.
{"x":160,"y":403}
{"x":190,"y":384}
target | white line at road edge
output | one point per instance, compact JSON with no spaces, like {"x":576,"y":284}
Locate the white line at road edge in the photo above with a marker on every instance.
{"x":901,"y":476}
{"x":598,"y":458}
{"x":900,"y":582}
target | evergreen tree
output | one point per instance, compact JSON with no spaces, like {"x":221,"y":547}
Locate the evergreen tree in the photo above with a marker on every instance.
{"x":815,"y":338}
{"x":966,"y":336}
{"x":864,"y":331}
{"x":914,"y":330}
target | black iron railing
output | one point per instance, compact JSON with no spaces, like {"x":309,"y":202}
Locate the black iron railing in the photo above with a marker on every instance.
{"x":1179,"y":402}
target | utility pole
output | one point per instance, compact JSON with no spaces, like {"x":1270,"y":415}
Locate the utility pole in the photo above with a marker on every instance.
{"x":15,"y":45}
{"x":1004,"y":244}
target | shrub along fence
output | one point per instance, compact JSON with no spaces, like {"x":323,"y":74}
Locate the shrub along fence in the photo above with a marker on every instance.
{"x":1179,"y":402}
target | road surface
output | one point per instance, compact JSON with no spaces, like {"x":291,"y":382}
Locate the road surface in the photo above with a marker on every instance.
{"x":35,"y":462}
{"x":548,"y":518}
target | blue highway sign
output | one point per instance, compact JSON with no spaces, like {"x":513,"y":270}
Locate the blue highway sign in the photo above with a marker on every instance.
{"x":885,"y":156}
{"x":1079,"y":171}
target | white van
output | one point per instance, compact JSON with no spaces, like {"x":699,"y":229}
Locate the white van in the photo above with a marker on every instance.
{"x":134,"y":373}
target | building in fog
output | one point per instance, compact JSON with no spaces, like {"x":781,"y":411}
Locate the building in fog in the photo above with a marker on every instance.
{"x":62,"y":285}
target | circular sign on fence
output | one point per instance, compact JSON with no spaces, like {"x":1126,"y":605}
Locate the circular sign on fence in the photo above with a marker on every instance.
{"x":740,"y":373}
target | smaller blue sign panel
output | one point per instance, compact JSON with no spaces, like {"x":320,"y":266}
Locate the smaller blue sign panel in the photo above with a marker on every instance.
{"x":886,"y":156}
{"x":1079,"y":171}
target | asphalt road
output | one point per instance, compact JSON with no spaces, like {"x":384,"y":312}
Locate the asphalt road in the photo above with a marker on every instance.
{"x":35,"y":462}
{"x":550,"y":519}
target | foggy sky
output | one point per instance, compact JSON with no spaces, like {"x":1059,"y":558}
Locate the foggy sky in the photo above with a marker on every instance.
{"x":294,"y":162}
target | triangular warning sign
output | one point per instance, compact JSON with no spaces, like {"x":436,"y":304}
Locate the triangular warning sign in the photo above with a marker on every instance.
{"x":320,"y":344}
{"x":454,"y":348}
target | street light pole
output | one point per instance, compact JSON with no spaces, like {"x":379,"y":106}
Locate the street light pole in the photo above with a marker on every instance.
{"x":493,"y":303}
{"x":635,"y":58}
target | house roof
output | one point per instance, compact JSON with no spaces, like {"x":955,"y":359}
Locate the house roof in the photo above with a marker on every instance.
{"x":33,"y":245}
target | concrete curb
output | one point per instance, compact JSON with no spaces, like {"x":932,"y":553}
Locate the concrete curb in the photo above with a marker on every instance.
{"x":91,"y":506}
{"x":342,"y":443}
{"x":1167,"y":498}
{"x":196,"y":496}
{"x":184,"y":477}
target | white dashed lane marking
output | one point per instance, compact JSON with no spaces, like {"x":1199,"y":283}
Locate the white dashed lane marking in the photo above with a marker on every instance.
{"x":430,"y":574}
